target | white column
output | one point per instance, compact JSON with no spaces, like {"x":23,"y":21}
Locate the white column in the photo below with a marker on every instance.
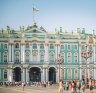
{"x":57,"y":79}
{"x":80,"y":73}
{"x":44,"y":74}
{"x":41,"y":76}
{"x":10,"y":75}
{"x":38,"y":56}
{"x":27,"y":75}
{"x":80,"y":54}
{"x":30,"y":53}
{"x":47,"y":74}
{"x":23,"y":75}
{"x":12,"y":53}
{"x":22,"y":53}
{"x":46,"y":53}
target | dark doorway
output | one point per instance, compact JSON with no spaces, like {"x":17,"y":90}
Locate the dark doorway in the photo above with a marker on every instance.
{"x":34,"y":74}
{"x":17,"y":74}
{"x":52,"y":74}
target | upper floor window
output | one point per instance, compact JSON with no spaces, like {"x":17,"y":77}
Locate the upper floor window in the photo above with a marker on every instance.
{"x":5,"y":57}
{"x":5,"y":46}
{"x":41,"y":46}
{"x":51,"y":46}
{"x":16,"y":57}
{"x":90,"y":47}
{"x":34,"y":46}
{"x":69,"y":47}
{"x":27,"y":57}
{"x":75,"y":57}
{"x":83,"y":47}
{"x":75,"y":47}
{"x":52,"y":58}
{"x":69,"y":57}
{"x":62,"y":46}
{"x":41,"y":58}
{"x":27,"y":45}
{"x":17,"y":45}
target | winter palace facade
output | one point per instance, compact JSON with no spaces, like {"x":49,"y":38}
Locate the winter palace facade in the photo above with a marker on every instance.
{"x":34,"y":54}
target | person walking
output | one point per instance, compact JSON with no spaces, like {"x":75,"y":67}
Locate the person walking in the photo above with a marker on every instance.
{"x":23,"y":85}
{"x":61,"y":86}
{"x":83,"y":85}
{"x":90,"y":86}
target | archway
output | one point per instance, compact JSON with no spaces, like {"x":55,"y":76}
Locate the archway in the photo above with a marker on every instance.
{"x":34,"y":74}
{"x":17,"y":74}
{"x":52,"y":74}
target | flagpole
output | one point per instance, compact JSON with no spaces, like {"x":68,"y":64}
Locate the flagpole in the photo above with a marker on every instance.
{"x":33,"y":15}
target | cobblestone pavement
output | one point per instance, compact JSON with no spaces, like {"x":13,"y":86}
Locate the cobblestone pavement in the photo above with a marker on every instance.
{"x":34,"y":89}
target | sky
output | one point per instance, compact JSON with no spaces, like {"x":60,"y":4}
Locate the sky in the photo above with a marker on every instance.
{"x":68,"y":14}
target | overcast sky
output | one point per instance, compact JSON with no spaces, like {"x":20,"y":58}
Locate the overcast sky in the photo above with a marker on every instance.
{"x":68,"y":14}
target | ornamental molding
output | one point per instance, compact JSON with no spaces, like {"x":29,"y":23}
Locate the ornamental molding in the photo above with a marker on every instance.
{"x":57,"y":44}
{"x":41,"y":53}
{"x":46,"y":44}
{"x":34,"y":53}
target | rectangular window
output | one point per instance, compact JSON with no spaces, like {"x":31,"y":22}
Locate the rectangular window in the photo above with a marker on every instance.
{"x":5,"y":46}
{"x":27,"y":58}
{"x":41,"y":58}
{"x":75,"y":47}
{"x":51,"y":46}
{"x":5,"y":59}
{"x":69,"y":47}
{"x":75,"y":59}
{"x":51,"y":58}
{"x":5,"y":74}
{"x":27,"y":46}
{"x":62,"y":47}
{"x":76,"y":74}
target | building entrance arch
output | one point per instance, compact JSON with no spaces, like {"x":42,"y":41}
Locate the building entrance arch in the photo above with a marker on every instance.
{"x":34,"y":74}
{"x":52,"y":74}
{"x":17,"y":74}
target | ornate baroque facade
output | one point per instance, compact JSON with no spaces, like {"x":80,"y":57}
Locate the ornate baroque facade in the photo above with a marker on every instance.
{"x":31,"y":53}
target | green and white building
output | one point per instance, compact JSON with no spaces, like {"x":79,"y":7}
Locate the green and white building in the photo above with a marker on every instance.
{"x":30,"y":54}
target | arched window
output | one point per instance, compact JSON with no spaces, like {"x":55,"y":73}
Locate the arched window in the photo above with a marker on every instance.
{"x":41,"y":46}
{"x":34,"y":46}
{"x":17,"y":45}
{"x":27,"y":45}
{"x":62,"y":47}
{"x":51,"y":46}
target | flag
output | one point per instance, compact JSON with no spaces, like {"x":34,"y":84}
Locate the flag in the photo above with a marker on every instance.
{"x":35,"y":10}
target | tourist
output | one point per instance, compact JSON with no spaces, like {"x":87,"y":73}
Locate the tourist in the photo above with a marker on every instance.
{"x":90,"y":86}
{"x":61,"y":86}
{"x":83,"y":85}
{"x":23,"y":85}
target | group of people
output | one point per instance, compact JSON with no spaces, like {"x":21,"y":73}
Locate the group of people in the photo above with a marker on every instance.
{"x":76,"y":86}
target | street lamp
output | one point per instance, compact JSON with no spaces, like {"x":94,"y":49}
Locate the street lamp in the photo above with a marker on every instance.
{"x":86,"y":54}
{"x":59,"y":62}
